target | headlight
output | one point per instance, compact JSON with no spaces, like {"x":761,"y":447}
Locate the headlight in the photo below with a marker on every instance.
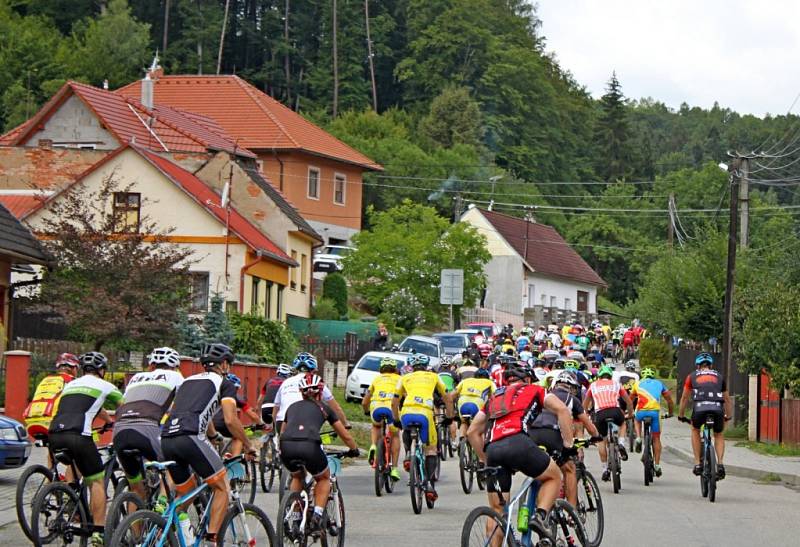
{"x":9,"y":434}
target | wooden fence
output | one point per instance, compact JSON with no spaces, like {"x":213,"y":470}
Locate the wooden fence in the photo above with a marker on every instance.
{"x":790,"y":421}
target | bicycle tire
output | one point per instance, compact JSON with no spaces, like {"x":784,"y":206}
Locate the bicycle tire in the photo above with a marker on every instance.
{"x":42,"y":507}
{"x":630,"y":432}
{"x":566,"y":525}
{"x":263,"y":469}
{"x":30,"y":483}
{"x":388,"y":482}
{"x":613,"y":465}
{"x":465,"y":468}
{"x":415,"y":480}
{"x":338,"y":511}
{"x":475,"y":532}
{"x":283,"y":482}
{"x":282,"y":533}
{"x":450,"y":450}
{"x":229,"y":535}
{"x":119,"y":510}
{"x":135,"y":523}
{"x":440,"y":442}
{"x":712,"y":474}
{"x":647,"y":459}
{"x":247,"y":490}
{"x":704,"y":472}
{"x":590,"y":508}
{"x":378,"y":471}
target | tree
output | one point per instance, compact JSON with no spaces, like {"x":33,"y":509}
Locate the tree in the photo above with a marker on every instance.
{"x":454,"y":118}
{"x":262,"y":339}
{"x":611,"y":135}
{"x":122,"y":290}
{"x":216,"y":327}
{"x":335,"y":288}
{"x":406,"y":248}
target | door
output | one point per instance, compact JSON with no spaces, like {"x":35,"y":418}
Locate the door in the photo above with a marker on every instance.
{"x":769,"y":411}
{"x":583,"y":301}
{"x":531,"y":295}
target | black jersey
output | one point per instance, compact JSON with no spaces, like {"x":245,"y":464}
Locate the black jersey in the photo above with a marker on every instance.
{"x":549,"y":420}
{"x":196,"y":402}
{"x":305,"y":418}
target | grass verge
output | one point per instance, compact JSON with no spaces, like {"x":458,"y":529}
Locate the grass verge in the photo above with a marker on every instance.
{"x":780,"y":450}
{"x":353,"y":411}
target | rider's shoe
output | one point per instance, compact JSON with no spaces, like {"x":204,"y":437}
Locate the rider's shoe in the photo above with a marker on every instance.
{"x":623,"y":454}
{"x":638,"y":445}
{"x":395,"y":474}
{"x":315,"y":523}
{"x":454,"y":445}
{"x":658,"y":470}
{"x":720,"y":472}
{"x":606,"y":475}
{"x":407,"y":464}
{"x":430,"y":492}
{"x":371,"y":456}
{"x":698,"y":469}
{"x":96,"y":540}
{"x":333,"y":530}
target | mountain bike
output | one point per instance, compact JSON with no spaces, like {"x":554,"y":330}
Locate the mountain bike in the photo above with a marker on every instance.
{"x":269,"y":461}
{"x":648,"y":459}
{"x":468,"y":466}
{"x":443,"y":444}
{"x":614,"y":459}
{"x":630,"y":433}
{"x":418,"y":480}
{"x":383,"y":460}
{"x":244,"y":524}
{"x":247,"y":483}
{"x":590,"y":505}
{"x":708,"y":459}
{"x":30,"y":483}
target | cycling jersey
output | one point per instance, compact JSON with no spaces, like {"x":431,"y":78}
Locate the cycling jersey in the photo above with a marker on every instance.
{"x":418,"y":389}
{"x":498,"y":376}
{"x":707,"y":386}
{"x":80,"y":402}
{"x":648,"y":393}
{"x":466,"y":370}
{"x":512,"y":409}
{"x":219,"y":419}
{"x":606,"y":393}
{"x":196,"y":402}
{"x":270,"y":390}
{"x":474,"y":390}
{"x":289,"y":393}
{"x":149,"y":395}
{"x":628,"y":339}
{"x":382,"y":390}
{"x":44,"y":405}
{"x":626,"y":379}
{"x":549,"y":420}
{"x":448,"y":380}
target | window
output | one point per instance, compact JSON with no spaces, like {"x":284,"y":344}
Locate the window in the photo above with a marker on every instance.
{"x":231,"y":306}
{"x":268,"y":301}
{"x":126,"y":211}
{"x":553,"y":303}
{"x":313,"y":183}
{"x":279,"y":303}
{"x":303,"y":271}
{"x":198,"y":290}
{"x":254,"y":296}
{"x":544,"y":300}
{"x":293,"y":280}
{"x":567,"y":304}
{"x":339,"y":182}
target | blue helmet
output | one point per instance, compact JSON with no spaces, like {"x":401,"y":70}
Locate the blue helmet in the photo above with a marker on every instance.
{"x":421,"y":361}
{"x":305,"y":362}
{"x":704,"y":357}
{"x":482,"y":373}
{"x":235,"y":380}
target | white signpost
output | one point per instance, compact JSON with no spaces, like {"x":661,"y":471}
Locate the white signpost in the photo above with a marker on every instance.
{"x":451,"y":290}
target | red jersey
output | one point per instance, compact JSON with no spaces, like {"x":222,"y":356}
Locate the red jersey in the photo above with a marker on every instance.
{"x":606,"y":393}
{"x":512,"y":409}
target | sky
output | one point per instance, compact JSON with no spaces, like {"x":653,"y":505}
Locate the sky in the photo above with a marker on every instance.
{"x":743,"y":54}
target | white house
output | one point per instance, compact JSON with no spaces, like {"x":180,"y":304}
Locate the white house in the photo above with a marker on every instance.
{"x":533,"y":267}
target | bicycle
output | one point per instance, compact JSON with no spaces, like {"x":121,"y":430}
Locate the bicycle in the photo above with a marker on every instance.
{"x":418,"y":480}
{"x":244,"y":524}
{"x":247,"y":483}
{"x":590,"y":503}
{"x":443,"y":446}
{"x":383,"y":461}
{"x":30,"y":483}
{"x":614,"y":459}
{"x":468,"y":465}
{"x":269,"y":462}
{"x":648,"y":459}
{"x":630,"y":433}
{"x":708,"y":459}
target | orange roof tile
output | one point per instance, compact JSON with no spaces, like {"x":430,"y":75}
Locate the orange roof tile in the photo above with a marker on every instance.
{"x":20,"y":205}
{"x":256,"y":119}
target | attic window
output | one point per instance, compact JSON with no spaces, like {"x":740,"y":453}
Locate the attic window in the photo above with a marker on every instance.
{"x":127,"y":210}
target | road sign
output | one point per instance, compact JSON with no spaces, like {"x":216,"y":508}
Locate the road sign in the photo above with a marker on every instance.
{"x":451,"y":291}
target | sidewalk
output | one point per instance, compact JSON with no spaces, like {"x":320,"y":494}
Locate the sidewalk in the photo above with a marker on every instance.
{"x":739,"y":461}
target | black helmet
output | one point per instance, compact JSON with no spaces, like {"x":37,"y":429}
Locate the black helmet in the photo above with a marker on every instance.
{"x":213,"y":354}
{"x":517,"y":372}
{"x":93,"y":361}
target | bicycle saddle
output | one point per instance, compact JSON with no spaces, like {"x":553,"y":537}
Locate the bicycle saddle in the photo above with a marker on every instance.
{"x":63,"y":455}
{"x":159,"y":465}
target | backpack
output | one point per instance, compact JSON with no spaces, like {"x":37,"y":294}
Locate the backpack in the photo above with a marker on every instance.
{"x":46,"y":397}
{"x":511,"y":408}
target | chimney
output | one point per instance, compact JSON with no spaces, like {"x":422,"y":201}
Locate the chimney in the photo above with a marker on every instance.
{"x":147,"y":92}
{"x":105,"y":85}
{"x":155,"y":71}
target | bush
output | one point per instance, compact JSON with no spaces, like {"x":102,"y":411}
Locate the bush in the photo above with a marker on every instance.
{"x":656,"y":354}
{"x":335,"y":288}
{"x":325,"y":309}
{"x":269,"y":341}
{"x":404,"y":309}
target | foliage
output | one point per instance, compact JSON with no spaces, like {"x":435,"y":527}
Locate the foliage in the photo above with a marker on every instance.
{"x":611,"y":135}
{"x":334,"y":287}
{"x":216,"y":327}
{"x":118,"y":290}
{"x":325,"y":308}
{"x":269,"y":341}
{"x":656,"y":354}
{"x":188,"y":334}
{"x":454,"y":118}
{"x":404,"y":309}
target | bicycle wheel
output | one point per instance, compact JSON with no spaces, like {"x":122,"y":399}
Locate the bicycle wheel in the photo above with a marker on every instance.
{"x":57,"y":509}
{"x":566,"y":525}
{"x":440,"y":442}
{"x":479,"y":477}
{"x":388,"y":482}
{"x":465,"y":467}
{"x":450,"y":451}
{"x":647,"y":460}
{"x":121,"y":506}
{"x":284,"y":479}
{"x":483,"y":526}
{"x":290,"y":516}
{"x":590,"y":508}
{"x":30,"y":483}
{"x":247,"y":484}
{"x":379,"y":470}
{"x":246,"y":526}
{"x":704,"y":472}
{"x":264,"y":468}
{"x":712,"y":473}
{"x":336,"y":521}
{"x":614,"y":465}
{"x":143,"y":529}
{"x":631,"y":434}
{"x":415,"y":480}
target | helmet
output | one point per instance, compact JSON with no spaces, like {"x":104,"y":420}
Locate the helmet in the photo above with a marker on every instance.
{"x":704,"y":357}
{"x":605,"y":371}
{"x":93,"y":361}
{"x":630,"y":366}
{"x":421,"y":362}
{"x":559,"y":363}
{"x":567,"y":377}
{"x":235,"y":380}
{"x":516,"y":372}
{"x":571,"y":364}
{"x":482,"y":373}
{"x":284,"y":370}
{"x":305,"y":362}
{"x":213,"y":354}
{"x":67,"y":360}
{"x":311,"y":386}
{"x":164,"y":356}
{"x":387,"y":363}
{"x":648,"y":373}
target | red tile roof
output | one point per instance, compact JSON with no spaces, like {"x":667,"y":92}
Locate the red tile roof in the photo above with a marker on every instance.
{"x":258,"y":120}
{"x":547,"y":252}
{"x":162,"y":128}
{"x":20,"y":205}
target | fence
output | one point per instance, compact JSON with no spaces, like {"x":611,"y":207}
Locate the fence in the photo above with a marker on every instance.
{"x":350,"y":349}
{"x":543,"y":315}
{"x":317,"y":329}
{"x":490,"y":315}
{"x":790,"y":421}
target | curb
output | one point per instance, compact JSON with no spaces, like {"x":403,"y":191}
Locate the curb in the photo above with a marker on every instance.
{"x":788,"y":479}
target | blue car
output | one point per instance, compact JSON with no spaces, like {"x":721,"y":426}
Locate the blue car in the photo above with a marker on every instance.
{"x":14,"y":444}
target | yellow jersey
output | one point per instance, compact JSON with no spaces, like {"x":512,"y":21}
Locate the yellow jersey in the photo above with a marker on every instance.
{"x":418,"y":388}
{"x":382,"y":389}
{"x":474,"y":390}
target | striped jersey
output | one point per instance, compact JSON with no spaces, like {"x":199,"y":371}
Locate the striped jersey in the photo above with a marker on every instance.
{"x":80,"y":402}
{"x":606,"y":393}
{"x":149,"y":395}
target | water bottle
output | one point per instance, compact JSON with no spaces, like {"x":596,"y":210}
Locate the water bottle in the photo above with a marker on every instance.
{"x":523,"y":516}
{"x":186,"y":528}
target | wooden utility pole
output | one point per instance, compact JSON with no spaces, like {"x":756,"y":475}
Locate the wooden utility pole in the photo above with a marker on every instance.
{"x":744,"y":199}
{"x":286,"y":65}
{"x":727,"y":326}
{"x":370,"y":55}
{"x":166,"y":27}
{"x":671,"y":224}
{"x":222,"y":35}
{"x":335,"y":66}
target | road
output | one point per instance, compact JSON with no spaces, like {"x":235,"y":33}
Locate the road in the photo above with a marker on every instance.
{"x":671,"y":512}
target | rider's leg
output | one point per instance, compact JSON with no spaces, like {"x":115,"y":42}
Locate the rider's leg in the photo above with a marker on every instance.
{"x":719,"y":446}
{"x":603,"y":450}
{"x":570,"y":482}
{"x":98,"y":500}
{"x":322,"y":488}
{"x":297,"y":481}
{"x":656,"y":447}
{"x":235,"y":448}
{"x":375,"y":433}
{"x":395,"y":448}
{"x":696,"y":445}
{"x":220,"y":496}
{"x":550,"y":485}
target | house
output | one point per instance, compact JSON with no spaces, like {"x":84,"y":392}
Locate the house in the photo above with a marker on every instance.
{"x":319,"y":174}
{"x":533,"y":270}
{"x":17,"y":247}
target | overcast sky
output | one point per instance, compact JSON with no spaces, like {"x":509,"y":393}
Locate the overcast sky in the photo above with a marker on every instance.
{"x":743,"y":54}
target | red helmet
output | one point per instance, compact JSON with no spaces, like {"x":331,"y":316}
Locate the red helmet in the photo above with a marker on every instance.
{"x":67,"y":360}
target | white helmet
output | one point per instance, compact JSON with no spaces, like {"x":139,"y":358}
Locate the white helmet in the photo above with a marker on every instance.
{"x":284,"y":370}
{"x":164,"y":356}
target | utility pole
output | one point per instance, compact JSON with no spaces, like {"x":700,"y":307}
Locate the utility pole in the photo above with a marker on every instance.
{"x":671,"y":225}
{"x":166,"y":27}
{"x":222,"y":35}
{"x":286,"y":64}
{"x":371,"y":63}
{"x":727,"y":326}
{"x":744,"y":199}
{"x":457,"y":211}
{"x":335,"y":65}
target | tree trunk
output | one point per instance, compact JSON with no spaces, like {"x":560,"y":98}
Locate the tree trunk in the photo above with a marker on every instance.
{"x":222,"y":35}
{"x":335,"y":66}
{"x":286,"y":66}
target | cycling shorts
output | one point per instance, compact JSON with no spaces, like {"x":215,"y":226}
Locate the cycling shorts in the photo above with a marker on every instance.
{"x":83,"y":452}
{"x":699,"y":418}
{"x":515,"y":453}
{"x":266,"y":412}
{"x":298,"y":454}
{"x":144,"y":437}
{"x":191,"y":453}
{"x":383,"y":413}
{"x":427,"y":431}
{"x":550,"y":439}
{"x":601,"y":416}
{"x":468,"y":410}
{"x":655,"y":426}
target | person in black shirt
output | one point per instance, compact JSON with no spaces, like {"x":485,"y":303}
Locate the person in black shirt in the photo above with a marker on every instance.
{"x":301,"y":445}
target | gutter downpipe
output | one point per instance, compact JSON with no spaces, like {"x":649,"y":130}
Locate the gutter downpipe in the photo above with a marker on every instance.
{"x":280,"y":162}
{"x":242,"y":272}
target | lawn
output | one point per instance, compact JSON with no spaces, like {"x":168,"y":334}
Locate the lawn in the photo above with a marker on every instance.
{"x":766,"y":449}
{"x":353,"y":411}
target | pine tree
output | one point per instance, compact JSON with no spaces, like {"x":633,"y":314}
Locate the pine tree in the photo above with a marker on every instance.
{"x":190,"y":338}
{"x":215,"y":323}
{"x":612,"y":134}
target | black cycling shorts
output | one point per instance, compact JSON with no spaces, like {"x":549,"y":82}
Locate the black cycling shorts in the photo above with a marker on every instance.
{"x":550,"y":439}
{"x":515,"y":453}
{"x":699,"y":418}
{"x":601,"y":416}
{"x":145,"y":439}
{"x":309,"y":453}
{"x":190,"y":453}
{"x":83,"y":452}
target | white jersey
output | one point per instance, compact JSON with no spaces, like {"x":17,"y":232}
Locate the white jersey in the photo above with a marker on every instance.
{"x":626,"y":379}
{"x":555,"y":339}
{"x":289,"y":394}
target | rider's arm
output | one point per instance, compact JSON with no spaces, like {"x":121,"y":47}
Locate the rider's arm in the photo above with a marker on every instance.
{"x":401,"y":391}
{"x":340,"y":430}
{"x":685,"y":397}
{"x":627,"y":398}
{"x":586,"y":421}
{"x":365,"y":401}
{"x":475,"y":434}
{"x":588,"y":402}
{"x":557,"y":407}
{"x":670,"y":404}
{"x":727,"y":404}
{"x":105,"y":416}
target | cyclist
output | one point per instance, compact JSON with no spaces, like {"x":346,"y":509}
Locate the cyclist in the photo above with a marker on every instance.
{"x":219,"y":420}
{"x":503,"y":425}
{"x":710,"y":397}
{"x":467,"y":368}
{"x":377,"y":404}
{"x":267,"y":398}
{"x":648,"y":392}
{"x":41,"y":409}
{"x":470,"y":395}
{"x":449,"y":379}
{"x":604,"y":396}
{"x":147,"y":398}
{"x":184,"y":437}
{"x":301,"y":445}
{"x":81,"y":402}
{"x":417,"y":391}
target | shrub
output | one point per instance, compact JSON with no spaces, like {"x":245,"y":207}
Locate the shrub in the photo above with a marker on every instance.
{"x":335,"y":288}
{"x":325,"y":309}
{"x":267,"y":340}
{"x":404,"y":309}
{"x":656,"y":354}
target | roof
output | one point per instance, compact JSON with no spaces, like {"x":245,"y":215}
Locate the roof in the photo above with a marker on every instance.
{"x":18,"y":242}
{"x":281,"y":202}
{"x":20,"y":205}
{"x":163,"y":128}
{"x":547,"y":252}
{"x":258,"y":120}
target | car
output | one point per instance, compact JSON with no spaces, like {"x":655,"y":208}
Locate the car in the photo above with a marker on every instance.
{"x":15,"y":448}
{"x":453,"y":342}
{"x":490,"y":330}
{"x":329,"y":258}
{"x":428,"y":345}
{"x":366,"y":370}
{"x":472,"y":334}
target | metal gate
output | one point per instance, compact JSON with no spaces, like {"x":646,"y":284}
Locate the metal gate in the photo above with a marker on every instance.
{"x":769,"y":411}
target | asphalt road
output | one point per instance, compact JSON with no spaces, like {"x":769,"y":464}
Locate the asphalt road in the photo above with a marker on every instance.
{"x":670,"y":512}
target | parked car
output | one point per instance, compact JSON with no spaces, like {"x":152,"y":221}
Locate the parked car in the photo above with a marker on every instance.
{"x":453,"y":342}
{"x":472,"y":333}
{"x":490,"y":330}
{"x":329,"y":258}
{"x":428,"y":345}
{"x":365,"y":371}
{"x":15,"y":448}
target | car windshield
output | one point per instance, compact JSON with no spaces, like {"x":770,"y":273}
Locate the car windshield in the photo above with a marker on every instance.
{"x":419,"y":346}
{"x":338,"y":251}
{"x":485,"y":329}
{"x":452,"y":341}
{"x":373,"y":363}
